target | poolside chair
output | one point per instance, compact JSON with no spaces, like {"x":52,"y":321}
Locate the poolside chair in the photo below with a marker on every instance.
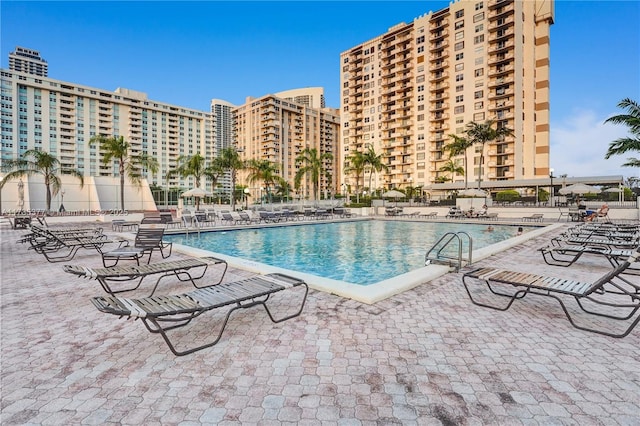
{"x":50,"y":244}
{"x":146,"y":241}
{"x":595,"y":241}
{"x":161,"y":314}
{"x":568,"y":255}
{"x":430,"y":215}
{"x":181,"y":269}
{"x":613,"y":296}
{"x":537,"y":217}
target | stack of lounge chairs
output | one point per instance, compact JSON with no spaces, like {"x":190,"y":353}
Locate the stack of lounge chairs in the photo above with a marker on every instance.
{"x":609,"y":305}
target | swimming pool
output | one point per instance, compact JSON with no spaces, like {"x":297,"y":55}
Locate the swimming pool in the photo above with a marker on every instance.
{"x":360,"y":252}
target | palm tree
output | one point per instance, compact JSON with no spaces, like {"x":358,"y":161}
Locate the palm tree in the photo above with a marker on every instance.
{"x":481,"y":133}
{"x":265,"y":171}
{"x":452,"y":167}
{"x":457,"y":147}
{"x":194,"y":165}
{"x":355,"y":165}
{"x":311,"y":164}
{"x":632,"y":121}
{"x":229,"y":161}
{"x":34,"y":162}
{"x":117,"y":148}
{"x":375,"y":162}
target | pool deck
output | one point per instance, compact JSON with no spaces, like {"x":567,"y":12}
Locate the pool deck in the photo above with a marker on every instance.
{"x":426,"y":356}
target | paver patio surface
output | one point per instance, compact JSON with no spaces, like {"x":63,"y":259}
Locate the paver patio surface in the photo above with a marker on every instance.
{"x":424,"y":357}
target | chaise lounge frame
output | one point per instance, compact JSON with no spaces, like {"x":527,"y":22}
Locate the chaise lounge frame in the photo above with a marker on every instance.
{"x":568,"y":255}
{"x":161,"y":314}
{"x":147,"y":240}
{"x":604,"y":292}
{"x":189,"y":269}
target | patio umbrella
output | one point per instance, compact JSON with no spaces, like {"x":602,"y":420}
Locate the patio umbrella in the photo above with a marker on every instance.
{"x":473,"y":192}
{"x":393,"y":194}
{"x":613,"y":190}
{"x":579,"y":189}
{"x":197,"y":193}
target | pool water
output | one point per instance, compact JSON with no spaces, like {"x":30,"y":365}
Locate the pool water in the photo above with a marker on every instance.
{"x":361,"y":252}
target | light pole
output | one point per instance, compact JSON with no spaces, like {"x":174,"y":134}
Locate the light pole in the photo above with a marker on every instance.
{"x":61,"y":209}
{"x":246,"y":198}
{"x":551,"y":176}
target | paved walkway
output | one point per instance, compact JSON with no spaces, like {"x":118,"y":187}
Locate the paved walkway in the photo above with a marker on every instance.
{"x":425,"y":357}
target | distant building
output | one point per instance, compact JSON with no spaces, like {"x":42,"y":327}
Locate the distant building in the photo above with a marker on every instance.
{"x":222,"y":116}
{"x":28,"y":61}
{"x":309,"y":96}
{"x":60,"y":118}
{"x":278,"y":130}
{"x":406,"y":91}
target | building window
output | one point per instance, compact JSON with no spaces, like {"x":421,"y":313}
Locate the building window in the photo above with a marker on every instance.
{"x":459,"y":67}
{"x":478,"y":17}
{"x":420,"y":117}
{"x":478,"y":94}
{"x":479,"y":60}
{"x":459,"y":77}
{"x":420,"y":39}
{"x":459,"y":14}
{"x":459,"y":98}
{"x":420,"y":49}
{"x":478,"y":105}
{"x":479,"y":6}
{"x":459,"y":56}
{"x":478,"y":116}
{"x":480,"y":28}
{"x":459,"y":35}
{"x":478,"y":39}
{"x":459,"y":45}
{"x":479,"y":72}
{"x":459,"y":109}
{"x":460,"y":88}
{"x":459,"y":24}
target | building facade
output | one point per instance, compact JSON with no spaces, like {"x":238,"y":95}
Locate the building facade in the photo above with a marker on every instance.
{"x":60,"y":118}
{"x":222,"y":116}
{"x":278,"y":130}
{"x":28,"y":61}
{"x":406,"y":91}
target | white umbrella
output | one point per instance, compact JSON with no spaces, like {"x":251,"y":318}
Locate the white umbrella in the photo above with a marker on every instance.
{"x":613,"y":190}
{"x":473,"y":192}
{"x":393,"y":194}
{"x":196,"y":192}
{"x":579,"y":189}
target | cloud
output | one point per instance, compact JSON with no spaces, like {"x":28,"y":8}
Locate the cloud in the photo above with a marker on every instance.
{"x":580,"y":142}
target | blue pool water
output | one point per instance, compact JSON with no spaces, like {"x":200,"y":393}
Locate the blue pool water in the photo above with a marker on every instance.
{"x":363,"y":252}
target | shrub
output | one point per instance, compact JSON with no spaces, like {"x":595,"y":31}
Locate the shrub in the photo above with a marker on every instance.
{"x":508,"y":195}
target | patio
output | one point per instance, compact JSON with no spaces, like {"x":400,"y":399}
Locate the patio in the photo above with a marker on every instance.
{"x":427,"y":356}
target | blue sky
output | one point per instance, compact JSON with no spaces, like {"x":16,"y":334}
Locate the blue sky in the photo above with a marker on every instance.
{"x":187,"y":53}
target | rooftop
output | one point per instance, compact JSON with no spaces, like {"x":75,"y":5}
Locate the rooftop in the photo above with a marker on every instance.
{"x":426,"y":356}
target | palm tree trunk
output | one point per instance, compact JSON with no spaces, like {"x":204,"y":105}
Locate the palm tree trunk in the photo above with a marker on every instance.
{"x":480,"y":167}
{"x":466,"y":172}
{"x":122,"y":191}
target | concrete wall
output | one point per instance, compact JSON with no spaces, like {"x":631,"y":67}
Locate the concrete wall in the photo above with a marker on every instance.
{"x":98,"y":193}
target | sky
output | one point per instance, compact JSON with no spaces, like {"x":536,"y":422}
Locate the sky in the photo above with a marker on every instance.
{"x":187,"y":53}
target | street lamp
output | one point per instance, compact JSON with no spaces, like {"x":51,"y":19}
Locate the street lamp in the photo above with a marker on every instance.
{"x":246,"y":198}
{"x":61,"y":209}
{"x":551,"y":176}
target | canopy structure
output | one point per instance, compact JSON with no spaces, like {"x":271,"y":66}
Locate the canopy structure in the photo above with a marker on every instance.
{"x":579,"y":189}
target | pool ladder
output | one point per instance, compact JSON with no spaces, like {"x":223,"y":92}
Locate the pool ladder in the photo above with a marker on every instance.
{"x":437,"y":255}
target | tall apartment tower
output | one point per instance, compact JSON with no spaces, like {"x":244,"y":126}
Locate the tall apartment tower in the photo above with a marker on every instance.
{"x":278,"y":130}
{"x":406,"y":91}
{"x":222,"y":116}
{"x":60,"y":118}
{"x":28,"y":61}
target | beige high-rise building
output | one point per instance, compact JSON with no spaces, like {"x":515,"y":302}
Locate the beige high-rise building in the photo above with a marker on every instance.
{"x":405,"y":91}
{"x":278,"y":130}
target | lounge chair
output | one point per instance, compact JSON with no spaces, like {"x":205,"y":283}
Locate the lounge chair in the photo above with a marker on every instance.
{"x":181,"y":269}
{"x":161,"y":314}
{"x":537,"y":217}
{"x":611,"y":292}
{"x":50,"y":244}
{"x":430,"y":215}
{"x":568,"y":255}
{"x":595,"y":241}
{"x":146,"y":241}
